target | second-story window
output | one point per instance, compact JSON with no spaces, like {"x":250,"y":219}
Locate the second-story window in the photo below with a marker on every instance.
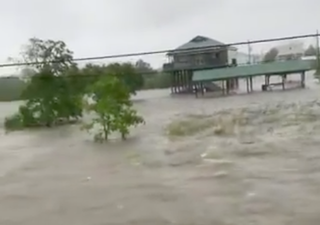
{"x":182,"y":59}
{"x":199,"y":60}
{"x":215,"y":55}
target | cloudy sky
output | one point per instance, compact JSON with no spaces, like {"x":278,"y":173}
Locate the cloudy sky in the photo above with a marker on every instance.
{"x":103,"y":27}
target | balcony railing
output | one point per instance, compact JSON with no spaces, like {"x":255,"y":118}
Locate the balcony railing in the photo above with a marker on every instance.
{"x":188,"y":66}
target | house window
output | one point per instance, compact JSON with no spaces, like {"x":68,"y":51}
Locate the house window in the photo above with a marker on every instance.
{"x":215,"y":55}
{"x":182,"y":59}
{"x":199,"y":60}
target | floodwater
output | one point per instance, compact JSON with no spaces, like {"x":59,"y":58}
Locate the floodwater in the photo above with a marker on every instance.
{"x":262,"y":171}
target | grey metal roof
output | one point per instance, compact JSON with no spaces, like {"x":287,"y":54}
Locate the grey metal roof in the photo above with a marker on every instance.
{"x":200,"y":42}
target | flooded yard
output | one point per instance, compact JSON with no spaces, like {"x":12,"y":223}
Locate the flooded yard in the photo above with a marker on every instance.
{"x":249,"y":159}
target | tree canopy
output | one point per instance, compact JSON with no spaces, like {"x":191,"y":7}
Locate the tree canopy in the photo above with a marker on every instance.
{"x":56,"y":89}
{"x":310,"y":51}
{"x":271,"y":55}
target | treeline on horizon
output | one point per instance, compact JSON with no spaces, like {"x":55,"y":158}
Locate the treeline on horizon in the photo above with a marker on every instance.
{"x":11,"y":87}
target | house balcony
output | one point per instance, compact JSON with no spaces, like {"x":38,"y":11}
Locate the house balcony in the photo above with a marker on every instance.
{"x":167,"y":67}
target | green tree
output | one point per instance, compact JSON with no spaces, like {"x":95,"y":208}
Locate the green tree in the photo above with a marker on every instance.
{"x":127,"y":73}
{"x":89,"y":74}
{"x":143,"y":67}
{"x":310,"y":51}
{"x":112,"y":105}
{"x":271,"y":55}
{"x":50,"y":54}
{"x":51,"y":94}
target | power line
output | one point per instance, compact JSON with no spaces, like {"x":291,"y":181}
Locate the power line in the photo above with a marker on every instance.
{"x":166,"y":51}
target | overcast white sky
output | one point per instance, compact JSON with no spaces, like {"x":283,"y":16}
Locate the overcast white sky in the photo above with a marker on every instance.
{"x":103,"y":27}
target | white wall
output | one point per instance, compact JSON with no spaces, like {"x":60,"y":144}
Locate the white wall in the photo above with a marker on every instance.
{"x":309,"y":57}
{"x":292,"y":48}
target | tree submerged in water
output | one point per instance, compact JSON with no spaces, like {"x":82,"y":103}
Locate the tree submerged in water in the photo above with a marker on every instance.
{"x":56,"y":89}
{"x":50,"y":97}
{"x":110,"y":101}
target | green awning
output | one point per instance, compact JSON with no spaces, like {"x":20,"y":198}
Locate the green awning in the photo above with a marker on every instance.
{"x":280,"y":67}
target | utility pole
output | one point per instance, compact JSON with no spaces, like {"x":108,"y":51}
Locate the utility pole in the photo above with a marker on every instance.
{"x":249,"y":52}
{"x":318,"y":53}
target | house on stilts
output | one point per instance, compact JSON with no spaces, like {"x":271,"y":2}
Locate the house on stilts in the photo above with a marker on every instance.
{"x":200,"y":53}
{"x":207,"y":65}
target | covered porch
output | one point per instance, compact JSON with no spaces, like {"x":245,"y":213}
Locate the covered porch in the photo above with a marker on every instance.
{"x":225,"y":76}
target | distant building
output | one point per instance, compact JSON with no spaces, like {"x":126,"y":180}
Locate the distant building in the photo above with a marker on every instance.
{"x":292,"y":50}
{"x":244,"y":58}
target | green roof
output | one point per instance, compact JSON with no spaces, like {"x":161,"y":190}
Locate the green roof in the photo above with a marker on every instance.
{"x":279,"y":67}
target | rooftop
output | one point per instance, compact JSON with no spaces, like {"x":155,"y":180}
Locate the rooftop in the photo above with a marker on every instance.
{"x":201,"y":42}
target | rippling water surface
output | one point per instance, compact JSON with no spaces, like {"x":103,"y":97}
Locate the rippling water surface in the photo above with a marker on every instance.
{"x":257,"y":161}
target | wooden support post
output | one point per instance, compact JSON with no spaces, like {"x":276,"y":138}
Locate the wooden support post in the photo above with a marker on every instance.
{"x":185,"y":81}
{"x":190,"y":84}
{"x":182,"y":80}
{"x":251,"y":84}
{"x":196,"y":89}
{"x":265,"y":79}
{"x":228,"y":85}
{"x":179,"y":81}
{"x":303,"y":78}
{"x":172,"y":81}
{"x":283,"y":81}
{"x":247,"y":82}
{"x":175,"y":82}
{"x":202,"y":89}
{"x":223,"y":87}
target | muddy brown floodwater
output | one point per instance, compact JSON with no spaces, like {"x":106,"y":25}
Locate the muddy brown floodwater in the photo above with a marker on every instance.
{"x":251,"y":159}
